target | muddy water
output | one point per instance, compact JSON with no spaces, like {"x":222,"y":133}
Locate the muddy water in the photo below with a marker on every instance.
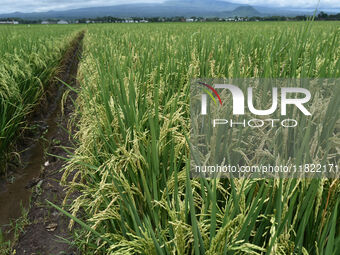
{"x":14,"y":196}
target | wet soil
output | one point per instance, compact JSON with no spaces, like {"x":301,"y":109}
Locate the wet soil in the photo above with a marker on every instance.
{"x":39,"y":180}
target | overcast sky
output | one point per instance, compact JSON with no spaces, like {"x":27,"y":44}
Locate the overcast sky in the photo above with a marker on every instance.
{"x":7,"y":6}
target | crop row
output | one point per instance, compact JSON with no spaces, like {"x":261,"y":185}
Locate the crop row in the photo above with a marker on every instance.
{"x":132,"y":160}
{"x":30,"y":57}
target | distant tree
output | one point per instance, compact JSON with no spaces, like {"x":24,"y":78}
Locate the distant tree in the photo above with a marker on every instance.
{"x":300,"y":18}
{"x":322,"y":16}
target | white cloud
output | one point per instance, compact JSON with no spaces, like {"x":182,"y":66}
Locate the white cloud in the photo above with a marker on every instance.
{"x":292,"y":3}
{"x":7,"y":6}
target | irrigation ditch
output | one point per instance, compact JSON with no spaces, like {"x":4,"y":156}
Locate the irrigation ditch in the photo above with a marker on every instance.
{"x":25,"y":218}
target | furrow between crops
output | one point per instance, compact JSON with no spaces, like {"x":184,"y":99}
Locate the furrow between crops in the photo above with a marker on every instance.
{"x":42,"y":223}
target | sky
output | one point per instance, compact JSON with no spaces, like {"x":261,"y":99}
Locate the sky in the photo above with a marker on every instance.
{"x":8,"y":6}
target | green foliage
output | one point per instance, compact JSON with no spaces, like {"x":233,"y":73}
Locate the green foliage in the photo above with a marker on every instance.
{"x":30,"y":56}
{"x":132,"y":159}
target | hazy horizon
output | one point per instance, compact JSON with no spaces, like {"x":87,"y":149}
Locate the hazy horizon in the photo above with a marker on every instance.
{"x":25,"y":6}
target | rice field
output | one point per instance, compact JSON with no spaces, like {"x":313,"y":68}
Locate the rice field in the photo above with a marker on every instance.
{"x":131,"y":164}
{"x":132,"y":158}
{"x":30,"y":56}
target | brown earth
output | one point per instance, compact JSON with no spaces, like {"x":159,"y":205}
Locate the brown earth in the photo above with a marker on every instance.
{"x":48,"y":226}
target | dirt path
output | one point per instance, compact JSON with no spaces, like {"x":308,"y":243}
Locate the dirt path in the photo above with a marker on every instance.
{"x":47,"y":224}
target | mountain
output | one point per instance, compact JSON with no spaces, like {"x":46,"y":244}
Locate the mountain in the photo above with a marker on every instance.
{"x":242,"y":11}
{"x":170,"y":8}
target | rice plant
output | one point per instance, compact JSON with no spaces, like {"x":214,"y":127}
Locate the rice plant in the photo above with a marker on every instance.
{"x":132,"y":158}
{"x":30,"y":56}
